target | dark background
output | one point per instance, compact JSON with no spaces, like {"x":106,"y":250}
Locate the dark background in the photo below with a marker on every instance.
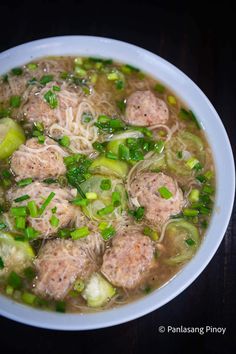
{"x":199,"y":38}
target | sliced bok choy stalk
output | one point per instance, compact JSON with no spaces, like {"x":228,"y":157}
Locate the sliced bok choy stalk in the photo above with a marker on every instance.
{"x":105,"y":198}
{"x":98,"y":291}
{"x":182,"y":148}
{"x":16,"y":255}
{"x":183,"y":239}
{"x":104,"y":165}
{"x":11,"y":137}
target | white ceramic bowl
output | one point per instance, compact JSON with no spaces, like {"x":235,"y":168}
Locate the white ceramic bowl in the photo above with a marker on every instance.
{"x":224,"y":164}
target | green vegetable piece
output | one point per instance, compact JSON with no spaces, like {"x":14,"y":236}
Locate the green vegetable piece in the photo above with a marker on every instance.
{"x":20,"y":222}
{"x":138,"y":214}
{"x":11,"y":137}
{"x":107,"y":210}
{"x":171,"y":100}
{"x":2,"y":225}
{"x":54,"y":221}
{"x":105,"y":184}
{"x":9,"y":290}
{"x":46,"y":203}
{"x":30,"y":273}
{"x":159,"y":146}
{"x":24,"y":182}
{"x":178,"y":232}
{"x":28,"y":298}
{"x":46,"y":79}
{"x":190,"y":242}
{"x":64,"y":141}
{"x":116,"y":199}
{"x":56,"y":88}
{"x":192,"y":162}
{"x":113,"y":146}
{"x":32,"y":66}
{"x":33,"y":209}
{"x":51,"y":98}
{"x":91,"y":195}
{"x":165,"y":193}
{"x":22,"y":198}
{"x":107,"y":166}
{"x":60,"y":306}
{"x":79,"y":286}
{"x":80,"y":202}
{"x":190,"y":212}
{"x":18,"y":211}
{"x":151,"y":233}
{"x":194,"y":195}
{"x":99,"y":147}
{"x":17,"y":71}
{"x":15,"y":101}
{"x":121,"y":105}
{"x":108,"y":232}
{"x":14,"y":280}
{"x":159,"y":88}
{"x":98,"y":291}
{"x":1,"y":263}
{"x":124,"y":152}
{"x":80,"y":233}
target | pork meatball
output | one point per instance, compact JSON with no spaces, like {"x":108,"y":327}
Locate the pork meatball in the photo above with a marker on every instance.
{"x":129,"y":260}
{"x":37,"y":160}
{"x":143,"y":108}
{"x":144,"y":188}
{"x":59,"y":264}
{"x":60,"y":204}
{"x":37,"y":108}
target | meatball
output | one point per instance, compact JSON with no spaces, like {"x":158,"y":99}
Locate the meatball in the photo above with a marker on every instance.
{"x":37,"y":109}
{"x":60,"y":205}
{"x":129,"y":260}
{"x":144,"y":188}
{"x":59,"y":264}
{"x":38,"y":160}
{"x":145,"y":109}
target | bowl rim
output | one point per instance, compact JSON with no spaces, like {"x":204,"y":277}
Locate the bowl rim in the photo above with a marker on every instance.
{"x":39,"y":318}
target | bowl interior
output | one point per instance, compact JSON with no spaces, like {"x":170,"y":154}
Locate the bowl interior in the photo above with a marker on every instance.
{"x":194,"y":98}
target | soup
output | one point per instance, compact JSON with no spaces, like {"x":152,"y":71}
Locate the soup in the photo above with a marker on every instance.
{"x":106,"y":184}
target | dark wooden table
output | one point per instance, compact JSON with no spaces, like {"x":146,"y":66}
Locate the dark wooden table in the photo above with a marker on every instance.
{"x":200,"y":41}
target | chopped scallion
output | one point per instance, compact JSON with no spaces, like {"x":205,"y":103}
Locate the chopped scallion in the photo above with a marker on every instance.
{"x":46,"y":79}
{"x":192,"y":162}
{"x":105,"y":184}
{"x":91,"y":195}
{"x":22,"y":198}
{"x":54,"y":221}
{"x":28,"y":298}
{"x":190,"y":242}
{"x":80,"y":233}
{"x":18,"y":211}
{"x":1,"y":263}
{"x":15,"y":101}
{"x":33,"y":209}
{"x":116,"y":199}
{"x":190,"y":212}
{"x":108,"y":232}
{"x":107,"y":210}
{"x":64,"y":141}
{"x":165,"y":193}
{"x":46,"y":202}
{"x":159,"y":88}
{"x":20,"y":222}
{"x":51,"y":99}
{"x":25,"y":182}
